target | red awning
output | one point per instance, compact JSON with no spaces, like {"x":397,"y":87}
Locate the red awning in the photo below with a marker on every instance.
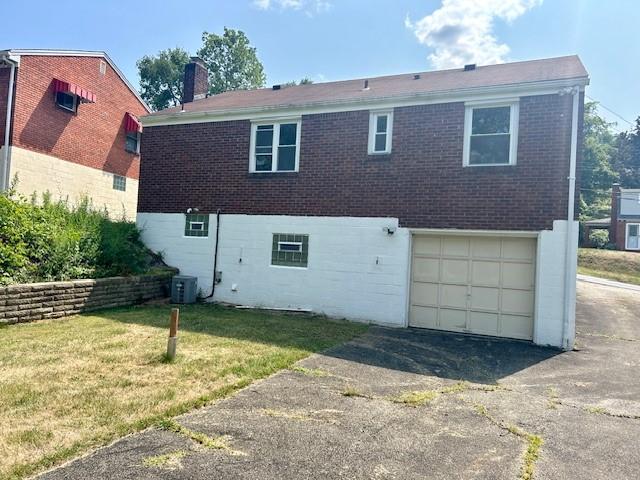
{"x":85,"y":95}
{"x":131,"y":123}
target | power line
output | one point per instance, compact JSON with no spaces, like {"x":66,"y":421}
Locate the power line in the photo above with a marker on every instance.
{"x":609,"y":110}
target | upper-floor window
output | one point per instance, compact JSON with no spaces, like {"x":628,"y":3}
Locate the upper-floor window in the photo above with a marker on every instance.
{"x":132,"y":144}
{"x":380,"y":130}
{"x":275,"y":146}
{"x":491,"y":134}
{"x":67,"y":101}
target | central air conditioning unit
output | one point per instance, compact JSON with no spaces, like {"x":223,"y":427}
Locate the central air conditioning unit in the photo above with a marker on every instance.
{"x":184,"y":289}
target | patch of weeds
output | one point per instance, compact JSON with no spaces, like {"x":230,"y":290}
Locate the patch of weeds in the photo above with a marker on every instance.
{"x":416,"y":398}
{"x":597,"y":410}
{"x":289,"y":415}
{"x":217,"y":443}
{"x":168,"y":461}
{"x":311,"y":372}
{"x":552,"y":400}
{"x":481,"y":410}
{"x":352,"y":392}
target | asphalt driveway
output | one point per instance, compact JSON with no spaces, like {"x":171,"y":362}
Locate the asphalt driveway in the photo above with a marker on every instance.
{"x":404,"y":404}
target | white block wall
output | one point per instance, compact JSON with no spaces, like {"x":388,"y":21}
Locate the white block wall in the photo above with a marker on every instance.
{"x":342,"y":278}
{"x":70,"y":181}
{"x":550,"y":285}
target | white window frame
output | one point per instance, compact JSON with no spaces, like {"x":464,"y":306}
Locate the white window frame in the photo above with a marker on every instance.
{"x":74,"y":108}
{"x":276,"y":140}
{"x":626,"y":237}
{"x":373,"y":123}
{"x":137,"y":149}
{"x":513,"y":131}
{"x":298,"y":244}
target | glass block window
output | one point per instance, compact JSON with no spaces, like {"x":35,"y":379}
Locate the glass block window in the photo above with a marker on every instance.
{"x":120,"y":183}
{"x":196,"y":225}
{"x":290,"y":250}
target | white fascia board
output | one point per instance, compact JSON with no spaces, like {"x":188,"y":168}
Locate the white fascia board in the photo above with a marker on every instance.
{"x":78,"y":53}
{"x":459,"y":95}
{"x":474,"y":233}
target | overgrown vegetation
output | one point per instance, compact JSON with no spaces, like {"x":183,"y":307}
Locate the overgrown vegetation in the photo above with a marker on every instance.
{"x":71,"y":385}
{"x":599,"y":238}
{"x":47,"y":241}
{"x":611,"y":264}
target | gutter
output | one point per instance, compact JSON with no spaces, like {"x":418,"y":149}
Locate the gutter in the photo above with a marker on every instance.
{"x":6,"y":155}
{"x":570,"y":275}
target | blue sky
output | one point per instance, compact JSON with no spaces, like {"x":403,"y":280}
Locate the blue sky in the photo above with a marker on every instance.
{"x":339,"y":39}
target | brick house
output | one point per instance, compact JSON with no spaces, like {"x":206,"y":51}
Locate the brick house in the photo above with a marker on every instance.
{"x":441,"y":200}
{"x":68,"y":125}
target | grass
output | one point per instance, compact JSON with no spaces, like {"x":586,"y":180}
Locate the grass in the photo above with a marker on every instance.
{"x":71,"y":385}
{"x":610,"y":264}
{"x":168,"y":461}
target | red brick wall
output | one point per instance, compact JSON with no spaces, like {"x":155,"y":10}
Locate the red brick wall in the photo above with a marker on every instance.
{"x":4,"y":86}
{"x":95,"y":137}
{"x":422,"y":182}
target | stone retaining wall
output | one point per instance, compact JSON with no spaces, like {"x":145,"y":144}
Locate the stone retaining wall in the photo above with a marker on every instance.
{"x":37,"y":301}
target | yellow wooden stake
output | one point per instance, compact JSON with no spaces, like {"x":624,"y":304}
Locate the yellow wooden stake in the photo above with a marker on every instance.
{"x":173,"y":334}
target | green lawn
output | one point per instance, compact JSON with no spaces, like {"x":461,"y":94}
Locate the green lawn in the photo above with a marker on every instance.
{"x":611,"y":264}
{"x":70,"y":385}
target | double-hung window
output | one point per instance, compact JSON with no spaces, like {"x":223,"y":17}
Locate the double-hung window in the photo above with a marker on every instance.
{"x":633,"y":236}
{"x":380,"y":130}
{"x":491,"y":134}
{"x":275,"y":146}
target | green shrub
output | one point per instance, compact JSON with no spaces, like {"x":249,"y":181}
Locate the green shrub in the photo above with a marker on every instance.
{"x":599,"y":238}
{"x":53,"y":241}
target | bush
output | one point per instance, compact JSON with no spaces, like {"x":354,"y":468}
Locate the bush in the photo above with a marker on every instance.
{"x":599,"y":238}
{"x":54,"y":241}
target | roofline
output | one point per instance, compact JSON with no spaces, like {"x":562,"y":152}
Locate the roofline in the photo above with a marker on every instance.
{"x":495,"y":92}
{"x":15,"y":53}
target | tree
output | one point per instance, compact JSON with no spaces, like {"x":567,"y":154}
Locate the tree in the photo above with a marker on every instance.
{"x":626,"y":160}
{"x":161,"y":77}
{"x":303,"y":81}
{"x":232,"y":62}
{"x":596,"y":172}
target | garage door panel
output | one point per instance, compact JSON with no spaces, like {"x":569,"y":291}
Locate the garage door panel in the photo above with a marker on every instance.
{"x":516,"y":326}
{"x":426,"y":269}
{"x":425,"y":317}
{"x":485,"y":273}
{"x":453,"y":296}
{"x":485,"y":247}
{"x":455,"y":247}
{"x":485,"y":298}
{"x":455,"y":271}
{"x":426,"y":245}
{"x":425,"y":294}
{"x":451,"y":319}
{"x":518,"y":249}
{"x":483,"y":322}
{"x":518,"y":275}
{"x":517,"y":301}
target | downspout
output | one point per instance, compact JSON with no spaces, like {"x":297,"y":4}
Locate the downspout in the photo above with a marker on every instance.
{"x":215,"y":256}
{"x":6,"y":157}
{"x":570,"y":278}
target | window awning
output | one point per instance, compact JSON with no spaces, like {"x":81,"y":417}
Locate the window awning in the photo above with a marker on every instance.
{"x":85,"y":96}
{"x":131,"y":123}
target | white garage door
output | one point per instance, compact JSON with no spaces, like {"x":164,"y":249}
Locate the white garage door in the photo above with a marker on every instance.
{"x":482,"y":285}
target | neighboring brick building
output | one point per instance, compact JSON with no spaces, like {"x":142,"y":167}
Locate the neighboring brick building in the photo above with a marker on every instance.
{"x":624,"y":226}
{"x":435,"y":200}
{"x":73,"y":128}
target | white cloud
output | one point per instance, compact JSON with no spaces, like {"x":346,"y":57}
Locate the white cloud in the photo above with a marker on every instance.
{"x":461,"y":31}
{"x":308,"y":6}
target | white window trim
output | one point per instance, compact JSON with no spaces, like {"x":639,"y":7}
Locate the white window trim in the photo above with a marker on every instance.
{"x":299,"y":244}
{"x":276,"y":140}
{"x":626,"y":237}
{"x":373,"y":119}
{"x":137,"y":150}
{"x":513,"y":131}
{"x":73,"y":109}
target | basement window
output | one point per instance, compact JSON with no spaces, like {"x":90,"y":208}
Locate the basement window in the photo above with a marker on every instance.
{"x":490,"y":135}
{"x":290,"y":250}
{"x":380,"y":130}
{"x":119,"y":183}
{"x":196,"y":225}
{"x":275,"y":147}
{"x":67,"y":101}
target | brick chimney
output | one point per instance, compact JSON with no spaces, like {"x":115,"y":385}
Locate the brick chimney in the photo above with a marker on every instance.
{"x":196,"y":80}
{"x":613,"y":225}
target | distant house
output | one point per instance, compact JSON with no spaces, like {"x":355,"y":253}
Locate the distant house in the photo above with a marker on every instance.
{"x":440,"y":200}
{"x":624,"y":231}
{"x":69,"y":125}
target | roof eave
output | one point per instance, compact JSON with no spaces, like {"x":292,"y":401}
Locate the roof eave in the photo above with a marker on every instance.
{"x":468,"y":94}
